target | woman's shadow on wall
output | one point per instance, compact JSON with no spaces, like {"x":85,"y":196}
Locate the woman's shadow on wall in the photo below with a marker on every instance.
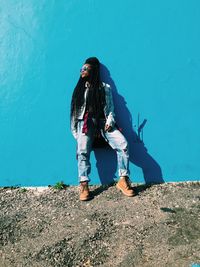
{"x":106,"y":163}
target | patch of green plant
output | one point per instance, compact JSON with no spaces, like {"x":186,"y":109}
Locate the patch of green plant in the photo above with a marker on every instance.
{"x":11,"y":187}
{"x":23,"y":190}
{"x":60,"y":185}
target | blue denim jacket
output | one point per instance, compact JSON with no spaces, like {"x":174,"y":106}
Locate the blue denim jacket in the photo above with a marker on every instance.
{"x":108,"y":109}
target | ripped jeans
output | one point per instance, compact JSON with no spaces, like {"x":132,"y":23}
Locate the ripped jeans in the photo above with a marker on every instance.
{"x":84,"y":146}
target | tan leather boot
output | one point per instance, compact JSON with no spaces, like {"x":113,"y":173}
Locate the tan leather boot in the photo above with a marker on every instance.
{"x":84,"y":191}
{"x":124,"y":185}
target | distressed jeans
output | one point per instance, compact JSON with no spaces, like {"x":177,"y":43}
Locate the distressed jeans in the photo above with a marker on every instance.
{"x":84,"y":146}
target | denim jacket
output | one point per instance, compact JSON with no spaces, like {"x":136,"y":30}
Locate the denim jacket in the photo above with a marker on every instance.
{"x":108,"y":109}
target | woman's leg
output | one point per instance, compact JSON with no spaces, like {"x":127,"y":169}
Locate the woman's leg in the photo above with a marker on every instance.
{"x":84,"y":145}
{"x":118,"y":142}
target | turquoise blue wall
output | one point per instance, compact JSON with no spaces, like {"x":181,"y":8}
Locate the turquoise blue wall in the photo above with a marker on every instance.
{"x":150,"y":54}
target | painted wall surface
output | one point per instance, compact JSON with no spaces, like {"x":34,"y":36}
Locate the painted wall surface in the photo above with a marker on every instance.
{"x":150,"y":55}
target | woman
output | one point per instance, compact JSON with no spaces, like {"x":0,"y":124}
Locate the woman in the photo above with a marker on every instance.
{"x":92,"y":113}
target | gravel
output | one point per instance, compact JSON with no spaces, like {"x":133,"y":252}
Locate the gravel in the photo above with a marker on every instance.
{"x":47,"y":227}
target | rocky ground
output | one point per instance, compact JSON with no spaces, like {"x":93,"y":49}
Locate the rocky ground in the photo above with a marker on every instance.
{"x":47,"y":227}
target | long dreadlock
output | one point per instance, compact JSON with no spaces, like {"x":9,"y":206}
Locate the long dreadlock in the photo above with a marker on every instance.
{"x":96,"y":96}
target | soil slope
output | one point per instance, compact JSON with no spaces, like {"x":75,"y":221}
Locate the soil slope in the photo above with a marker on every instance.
{"x":47,"y":227}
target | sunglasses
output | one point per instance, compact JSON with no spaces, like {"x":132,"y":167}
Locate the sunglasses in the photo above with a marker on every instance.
{"x":86,"y":68}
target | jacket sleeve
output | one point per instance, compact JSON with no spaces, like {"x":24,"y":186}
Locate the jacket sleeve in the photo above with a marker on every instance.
{"x":73,"y":128}
{"x":110,"y":118}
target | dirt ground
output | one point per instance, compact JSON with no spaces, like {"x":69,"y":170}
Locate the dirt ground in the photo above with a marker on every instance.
{"x":44,"y":227}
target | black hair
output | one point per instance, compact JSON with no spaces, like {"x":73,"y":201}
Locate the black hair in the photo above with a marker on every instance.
{"x":96,"y":96}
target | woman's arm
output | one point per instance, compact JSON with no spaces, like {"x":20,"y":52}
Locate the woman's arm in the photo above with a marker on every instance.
{"x":74,"y":128}
{"x":109,"y":108}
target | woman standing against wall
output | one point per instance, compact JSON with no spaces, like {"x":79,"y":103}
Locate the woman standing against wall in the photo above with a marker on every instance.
{"x":92,"y":113}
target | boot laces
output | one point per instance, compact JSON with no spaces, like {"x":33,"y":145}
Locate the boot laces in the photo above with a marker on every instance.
{"x":83,"y":187}
{"x":128,"y":182}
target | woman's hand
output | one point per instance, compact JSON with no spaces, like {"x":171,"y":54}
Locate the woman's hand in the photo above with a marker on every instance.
{"x":108,"y":128}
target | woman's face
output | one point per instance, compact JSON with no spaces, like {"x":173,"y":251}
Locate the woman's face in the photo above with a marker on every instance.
{"x":85,"y":70}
